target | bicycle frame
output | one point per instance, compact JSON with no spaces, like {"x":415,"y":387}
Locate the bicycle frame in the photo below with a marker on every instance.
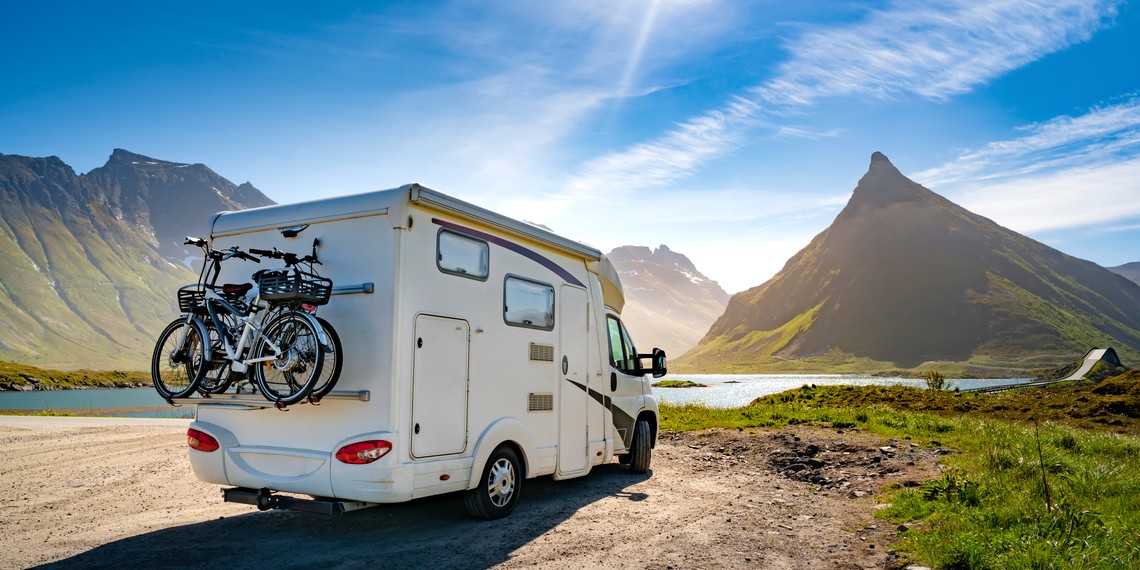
{"x":234,"y":353}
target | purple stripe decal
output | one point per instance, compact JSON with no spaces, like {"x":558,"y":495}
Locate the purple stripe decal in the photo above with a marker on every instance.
{"x":528,"y":253}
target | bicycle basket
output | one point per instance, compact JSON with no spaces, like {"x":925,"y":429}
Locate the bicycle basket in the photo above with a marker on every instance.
{"x":191,"y":299}
{"x":285,"y":286}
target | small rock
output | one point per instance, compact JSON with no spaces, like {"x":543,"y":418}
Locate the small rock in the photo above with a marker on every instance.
{"x":903,"y":528}
{"x":887,"y":450}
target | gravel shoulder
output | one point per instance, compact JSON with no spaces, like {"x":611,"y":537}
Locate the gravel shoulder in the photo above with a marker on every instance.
{"x":77,"y":495}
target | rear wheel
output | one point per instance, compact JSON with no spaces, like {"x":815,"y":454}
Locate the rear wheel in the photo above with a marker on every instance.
{"x":287,"y":377}
{"x":219,"y":376}
{"x":499,"y":488}
{"x":641,"y":450}
{"x":179,"y":359}
{"x":330,"y":368}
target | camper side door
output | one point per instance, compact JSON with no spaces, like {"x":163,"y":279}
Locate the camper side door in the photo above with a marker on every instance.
{"x":627,"y":383}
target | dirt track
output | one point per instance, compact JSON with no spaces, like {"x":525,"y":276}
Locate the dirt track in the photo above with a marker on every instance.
{"x":117,"y":496}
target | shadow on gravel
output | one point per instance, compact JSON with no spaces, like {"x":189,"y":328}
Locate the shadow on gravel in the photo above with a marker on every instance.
{"x":429,"y":533}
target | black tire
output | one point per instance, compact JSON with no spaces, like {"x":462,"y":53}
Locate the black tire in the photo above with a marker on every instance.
{"x":288,"y":377}
{"x":219,"y":376}
{"x":499,"y":488}
{"x":641,"y":450}
{"x":177,"y":369}
{"x":330,"y":368}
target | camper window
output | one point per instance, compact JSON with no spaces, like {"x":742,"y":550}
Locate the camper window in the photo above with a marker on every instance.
{"x":528,"y":303}
{"x":461,"y":255}
{"x":622,"y":354}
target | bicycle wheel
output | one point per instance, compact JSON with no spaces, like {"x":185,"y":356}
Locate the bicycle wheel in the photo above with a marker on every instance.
{"x":330,"y":368}
{"x":287,"y":377}
{"x":179,"y":359}
{"x":220,"y":375}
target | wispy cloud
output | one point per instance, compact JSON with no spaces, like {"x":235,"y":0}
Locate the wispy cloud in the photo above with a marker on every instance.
{"x":934,"y":50}
{"x":912,"y":48}
{"x":1103,"y":134}
{"x":1067,"y":172}
{"x":1077,"y":197}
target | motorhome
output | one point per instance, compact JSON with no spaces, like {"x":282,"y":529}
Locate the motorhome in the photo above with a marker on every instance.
{"x":478,"y":351}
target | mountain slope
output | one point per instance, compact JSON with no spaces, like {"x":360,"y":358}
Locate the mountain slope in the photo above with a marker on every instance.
{"x":904,"y":277}
{"x":1129,"y":270}
{"x":669,"y":303}
{"x":85,"y":281}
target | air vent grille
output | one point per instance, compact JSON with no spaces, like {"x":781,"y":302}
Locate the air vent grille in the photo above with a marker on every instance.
{"x":540,"y":403}
{"x":541,"y":352}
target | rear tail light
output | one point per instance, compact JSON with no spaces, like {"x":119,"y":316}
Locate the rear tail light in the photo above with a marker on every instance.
{"x":363,"y":451}
{"x":201,"y":440}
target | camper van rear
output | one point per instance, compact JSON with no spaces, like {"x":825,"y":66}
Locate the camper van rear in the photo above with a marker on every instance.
{"x":478,"y":351}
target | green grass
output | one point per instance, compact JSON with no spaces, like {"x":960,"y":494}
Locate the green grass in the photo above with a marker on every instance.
{"x":14,"y":374}
{"x":990,"y":508}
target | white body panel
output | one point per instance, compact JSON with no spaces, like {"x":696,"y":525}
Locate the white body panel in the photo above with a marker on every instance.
{"x":447,"y":378}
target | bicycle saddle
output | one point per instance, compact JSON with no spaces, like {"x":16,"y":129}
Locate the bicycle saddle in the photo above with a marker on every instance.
{"x":236,"y":288}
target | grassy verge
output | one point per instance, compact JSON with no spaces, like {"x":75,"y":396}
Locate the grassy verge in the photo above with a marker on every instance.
{"x":1020,"y":494}
{"x":21,"y":375}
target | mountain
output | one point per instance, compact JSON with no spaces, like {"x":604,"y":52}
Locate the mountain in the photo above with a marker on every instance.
{"x":91,"y":262}
{"x":669,"y":303}
{"x":1129,"y":270}
{"x":905,"y":278}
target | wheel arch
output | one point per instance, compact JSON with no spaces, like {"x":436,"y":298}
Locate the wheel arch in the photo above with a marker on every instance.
{"x":506,"y":431}
{"x":650,"y":416}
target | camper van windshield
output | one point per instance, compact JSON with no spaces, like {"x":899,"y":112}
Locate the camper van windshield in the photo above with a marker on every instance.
{"x":622,"y":354}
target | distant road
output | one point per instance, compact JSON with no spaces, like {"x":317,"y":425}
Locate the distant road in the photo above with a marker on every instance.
{"x":73,"y":421}
{"x":1091,"y":359}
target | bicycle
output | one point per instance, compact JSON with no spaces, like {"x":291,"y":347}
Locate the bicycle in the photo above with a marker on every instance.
{"x":285,"y":343}
{"x":303,"y":290}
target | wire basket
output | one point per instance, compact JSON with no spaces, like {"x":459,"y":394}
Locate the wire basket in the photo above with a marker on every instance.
{"x":191,"y":300}
{"x":292,"y":287}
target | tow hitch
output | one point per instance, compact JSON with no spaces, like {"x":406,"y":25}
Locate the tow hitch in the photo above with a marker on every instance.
{"x":265,"y":500}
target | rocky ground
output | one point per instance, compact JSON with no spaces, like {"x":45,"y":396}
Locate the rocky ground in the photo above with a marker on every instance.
{"x":108,"y":496}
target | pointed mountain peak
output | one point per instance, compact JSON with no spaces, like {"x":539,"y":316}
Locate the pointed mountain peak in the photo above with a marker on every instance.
{"x":884,"y":184}
{"x":121,"y":156}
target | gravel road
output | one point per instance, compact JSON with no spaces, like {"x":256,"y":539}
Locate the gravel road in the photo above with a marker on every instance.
{"x":81,"y":494}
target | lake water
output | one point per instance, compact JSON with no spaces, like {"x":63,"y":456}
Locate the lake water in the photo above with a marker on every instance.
{"x":128,"y":402}
{"x":734,"y":390}
{"x":724,"y":391}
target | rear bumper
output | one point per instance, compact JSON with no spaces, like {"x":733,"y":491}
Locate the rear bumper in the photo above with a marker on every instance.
{"x":304,"y":471}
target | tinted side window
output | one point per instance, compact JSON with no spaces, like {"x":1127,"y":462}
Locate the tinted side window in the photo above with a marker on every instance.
{"x":622,"y":354}
{"x":528,"y":303}
{"x":462,"y":255}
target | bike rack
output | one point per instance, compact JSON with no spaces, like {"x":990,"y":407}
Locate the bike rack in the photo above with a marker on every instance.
{"x":365,"y":288}
{"x":256,"y":402}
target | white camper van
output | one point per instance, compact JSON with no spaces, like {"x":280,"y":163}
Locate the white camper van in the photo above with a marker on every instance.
{"x":478,"y":351}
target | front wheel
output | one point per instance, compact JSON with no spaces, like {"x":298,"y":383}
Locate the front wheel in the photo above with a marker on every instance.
{"x":179,"y":360}
{"x":641,"y":450}
{"x":499,"y":488}
{"x":288,"y":376}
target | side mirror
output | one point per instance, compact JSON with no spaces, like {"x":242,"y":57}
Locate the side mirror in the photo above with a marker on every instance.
{"x":657,"y":363}
{"x":659,"y":367}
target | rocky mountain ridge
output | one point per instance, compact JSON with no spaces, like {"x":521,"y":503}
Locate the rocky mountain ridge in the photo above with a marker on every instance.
{"x":91,"y":260}
{"x":904,"y":278}
{"x":669,"y":302}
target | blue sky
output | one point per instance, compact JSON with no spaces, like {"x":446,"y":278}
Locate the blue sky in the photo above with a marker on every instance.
{"x":731,"y":131}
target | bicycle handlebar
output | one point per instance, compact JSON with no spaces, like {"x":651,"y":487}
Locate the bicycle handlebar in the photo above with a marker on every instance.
{"x":289,"y":258}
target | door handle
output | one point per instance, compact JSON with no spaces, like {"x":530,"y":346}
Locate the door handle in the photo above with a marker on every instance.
{"x":613,"y":381}
{"x":417,"y":428}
